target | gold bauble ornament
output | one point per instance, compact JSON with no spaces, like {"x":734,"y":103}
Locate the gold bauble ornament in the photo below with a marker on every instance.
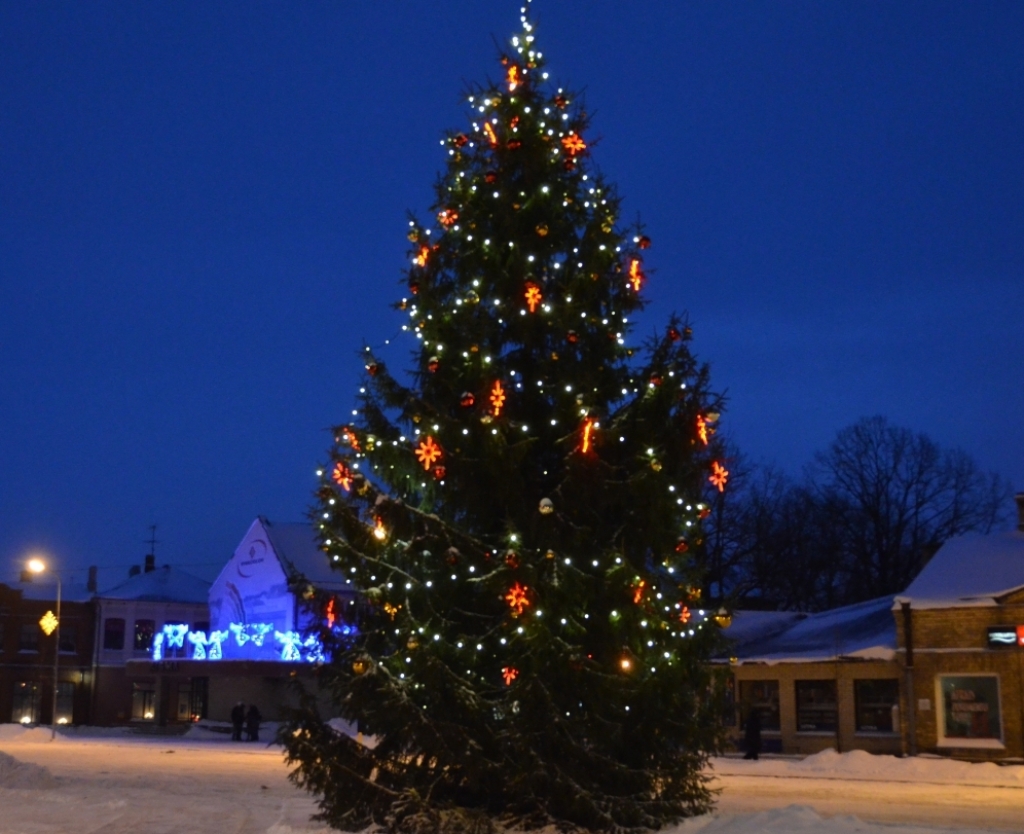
{"x":359,"y":666}
{"x":546,"y":506}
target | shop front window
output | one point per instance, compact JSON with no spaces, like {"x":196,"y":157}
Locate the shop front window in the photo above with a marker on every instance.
{"x":877,"y":705}
{"x":970,"y":707}
{"x":143,"y":702}
{"x":26,"y":702}
{"x":816,"y":707}
{"x":764,"y":697}
{"x":65,"y":702}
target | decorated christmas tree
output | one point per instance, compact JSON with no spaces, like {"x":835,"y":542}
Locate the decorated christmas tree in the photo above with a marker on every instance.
{"x":520,"y":513}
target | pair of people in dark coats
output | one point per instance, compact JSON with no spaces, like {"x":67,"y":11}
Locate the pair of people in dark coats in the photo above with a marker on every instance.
{"x":249,"y":720}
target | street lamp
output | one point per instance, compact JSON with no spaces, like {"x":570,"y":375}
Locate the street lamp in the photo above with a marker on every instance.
{"x":53,"y":623}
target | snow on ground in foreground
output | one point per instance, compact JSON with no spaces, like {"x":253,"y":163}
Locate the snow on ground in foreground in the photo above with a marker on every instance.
{"x":857,"y":764}
{"x":93,"y":779}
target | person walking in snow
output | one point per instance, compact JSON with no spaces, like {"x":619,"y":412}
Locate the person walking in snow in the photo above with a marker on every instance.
{"x":753,"y":733}
{"x":237,"y":720}
{"x":252,"y":722}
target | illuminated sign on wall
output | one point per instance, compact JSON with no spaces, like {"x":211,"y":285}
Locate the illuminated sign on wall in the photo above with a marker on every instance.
{"x":1002,"y":637}
{"x":240,"y":641}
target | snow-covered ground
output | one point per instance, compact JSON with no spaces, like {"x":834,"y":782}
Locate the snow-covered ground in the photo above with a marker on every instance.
{"x":114,"y":782}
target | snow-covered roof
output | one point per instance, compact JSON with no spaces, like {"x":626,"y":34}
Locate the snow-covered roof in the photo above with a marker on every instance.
{"x":163,"y":584}
{"x":748,"y":626}
{"x":973,"y":569}
{"x":865,"y":631}
{"x":296,"y":545}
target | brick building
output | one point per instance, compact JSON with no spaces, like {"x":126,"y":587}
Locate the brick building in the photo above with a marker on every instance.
{"x":937,"y":669}
{"x":26,"y":652}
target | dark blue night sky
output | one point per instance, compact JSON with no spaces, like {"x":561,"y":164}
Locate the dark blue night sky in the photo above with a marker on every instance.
{"x":203,"y":212}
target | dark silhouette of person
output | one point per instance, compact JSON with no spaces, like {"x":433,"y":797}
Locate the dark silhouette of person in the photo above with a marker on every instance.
{"x":252,"y":722}
{"x":237,"y":720}
{"x":752,"y":737}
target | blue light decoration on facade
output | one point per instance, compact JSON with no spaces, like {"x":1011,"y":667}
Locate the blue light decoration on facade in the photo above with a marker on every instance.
{"x":250,"y":643}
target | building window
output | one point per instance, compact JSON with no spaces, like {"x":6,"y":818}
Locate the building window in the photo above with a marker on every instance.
{"x":28,"y":638}
{"x":877,"y":705}
{"x":970,"y":707}
{"x":143,"y":702}
{"x":67,"y":640}
{"x":816,"y":709}
{"x":764,"y":697}
{"x":25,"y":703}
{"x":65,"y":702}
{"x":144,"y":630}
{"x":113,"y":634}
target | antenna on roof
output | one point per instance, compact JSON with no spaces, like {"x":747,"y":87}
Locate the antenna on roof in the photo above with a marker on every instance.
{"x":152,"y":542}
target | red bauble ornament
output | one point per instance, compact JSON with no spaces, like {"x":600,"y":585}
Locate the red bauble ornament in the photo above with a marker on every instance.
{"x":572,"y":337}
{"x":512,"y":559}
{"x":491,"y":177}
{"x":460,"y":140}
{"x":439,"y":472}
{"x":674,"y":334}
{"x":644,"y":242}
{"x":371,"y":368}
{"x":569,"y":165}
{"x":467,"y":399}
{"x":514,"y":144}
{"x":682,"y":546}
{"x":561,"y":101}
{"x":414,"y":287}
{"x":433,"y":363}
{"x":655,"y":380}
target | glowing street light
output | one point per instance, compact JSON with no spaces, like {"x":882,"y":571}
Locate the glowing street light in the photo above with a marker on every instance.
{"x":49,"y":623}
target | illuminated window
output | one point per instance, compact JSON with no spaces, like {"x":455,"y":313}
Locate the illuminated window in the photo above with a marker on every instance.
{"x":144,"y":630}
{"x":762,"y":696}
{"x":877,"y":704}
{"x":26,"y":701}
{"x":113,"y":633}
{"x":970,"y":713}
{"x":65,"y":702}
{"x":816,"y":708}
{"x":28,"y":638}
{"x":143,"y":702}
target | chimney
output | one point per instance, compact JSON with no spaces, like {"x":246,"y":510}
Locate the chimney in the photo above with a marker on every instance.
{"x":150,"y":563}
{"x":90,"y":584}
{"x":134,"y":570}
{"x":1019,"y":497}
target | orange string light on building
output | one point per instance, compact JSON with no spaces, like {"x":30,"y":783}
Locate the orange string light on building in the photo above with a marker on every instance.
{"x":427,"y":452}
{"x":497,"y":398}
{"x":533,"y":296}
{"x":719,"y":475}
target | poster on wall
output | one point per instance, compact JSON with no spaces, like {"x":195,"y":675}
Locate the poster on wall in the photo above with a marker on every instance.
{"x":970,"y":706}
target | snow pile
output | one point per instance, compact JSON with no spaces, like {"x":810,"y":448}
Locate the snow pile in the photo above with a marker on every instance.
{"x":863,"y":766}
{"x":348,"y":728}
{"x":15,"y":774}
{"x":795,"y":819}
{"x":22,"y":733}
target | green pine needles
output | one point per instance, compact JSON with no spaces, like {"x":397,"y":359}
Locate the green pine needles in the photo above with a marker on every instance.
{"x":521,"y":516}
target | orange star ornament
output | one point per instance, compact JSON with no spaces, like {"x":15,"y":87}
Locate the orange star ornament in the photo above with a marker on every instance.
{"x":428,"y":452}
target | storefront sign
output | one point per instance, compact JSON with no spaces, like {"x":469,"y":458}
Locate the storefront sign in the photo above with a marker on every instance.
{"x":1003,"y":637}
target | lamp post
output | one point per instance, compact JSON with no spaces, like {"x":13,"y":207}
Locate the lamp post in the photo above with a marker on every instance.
{"x":39,"y":566}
